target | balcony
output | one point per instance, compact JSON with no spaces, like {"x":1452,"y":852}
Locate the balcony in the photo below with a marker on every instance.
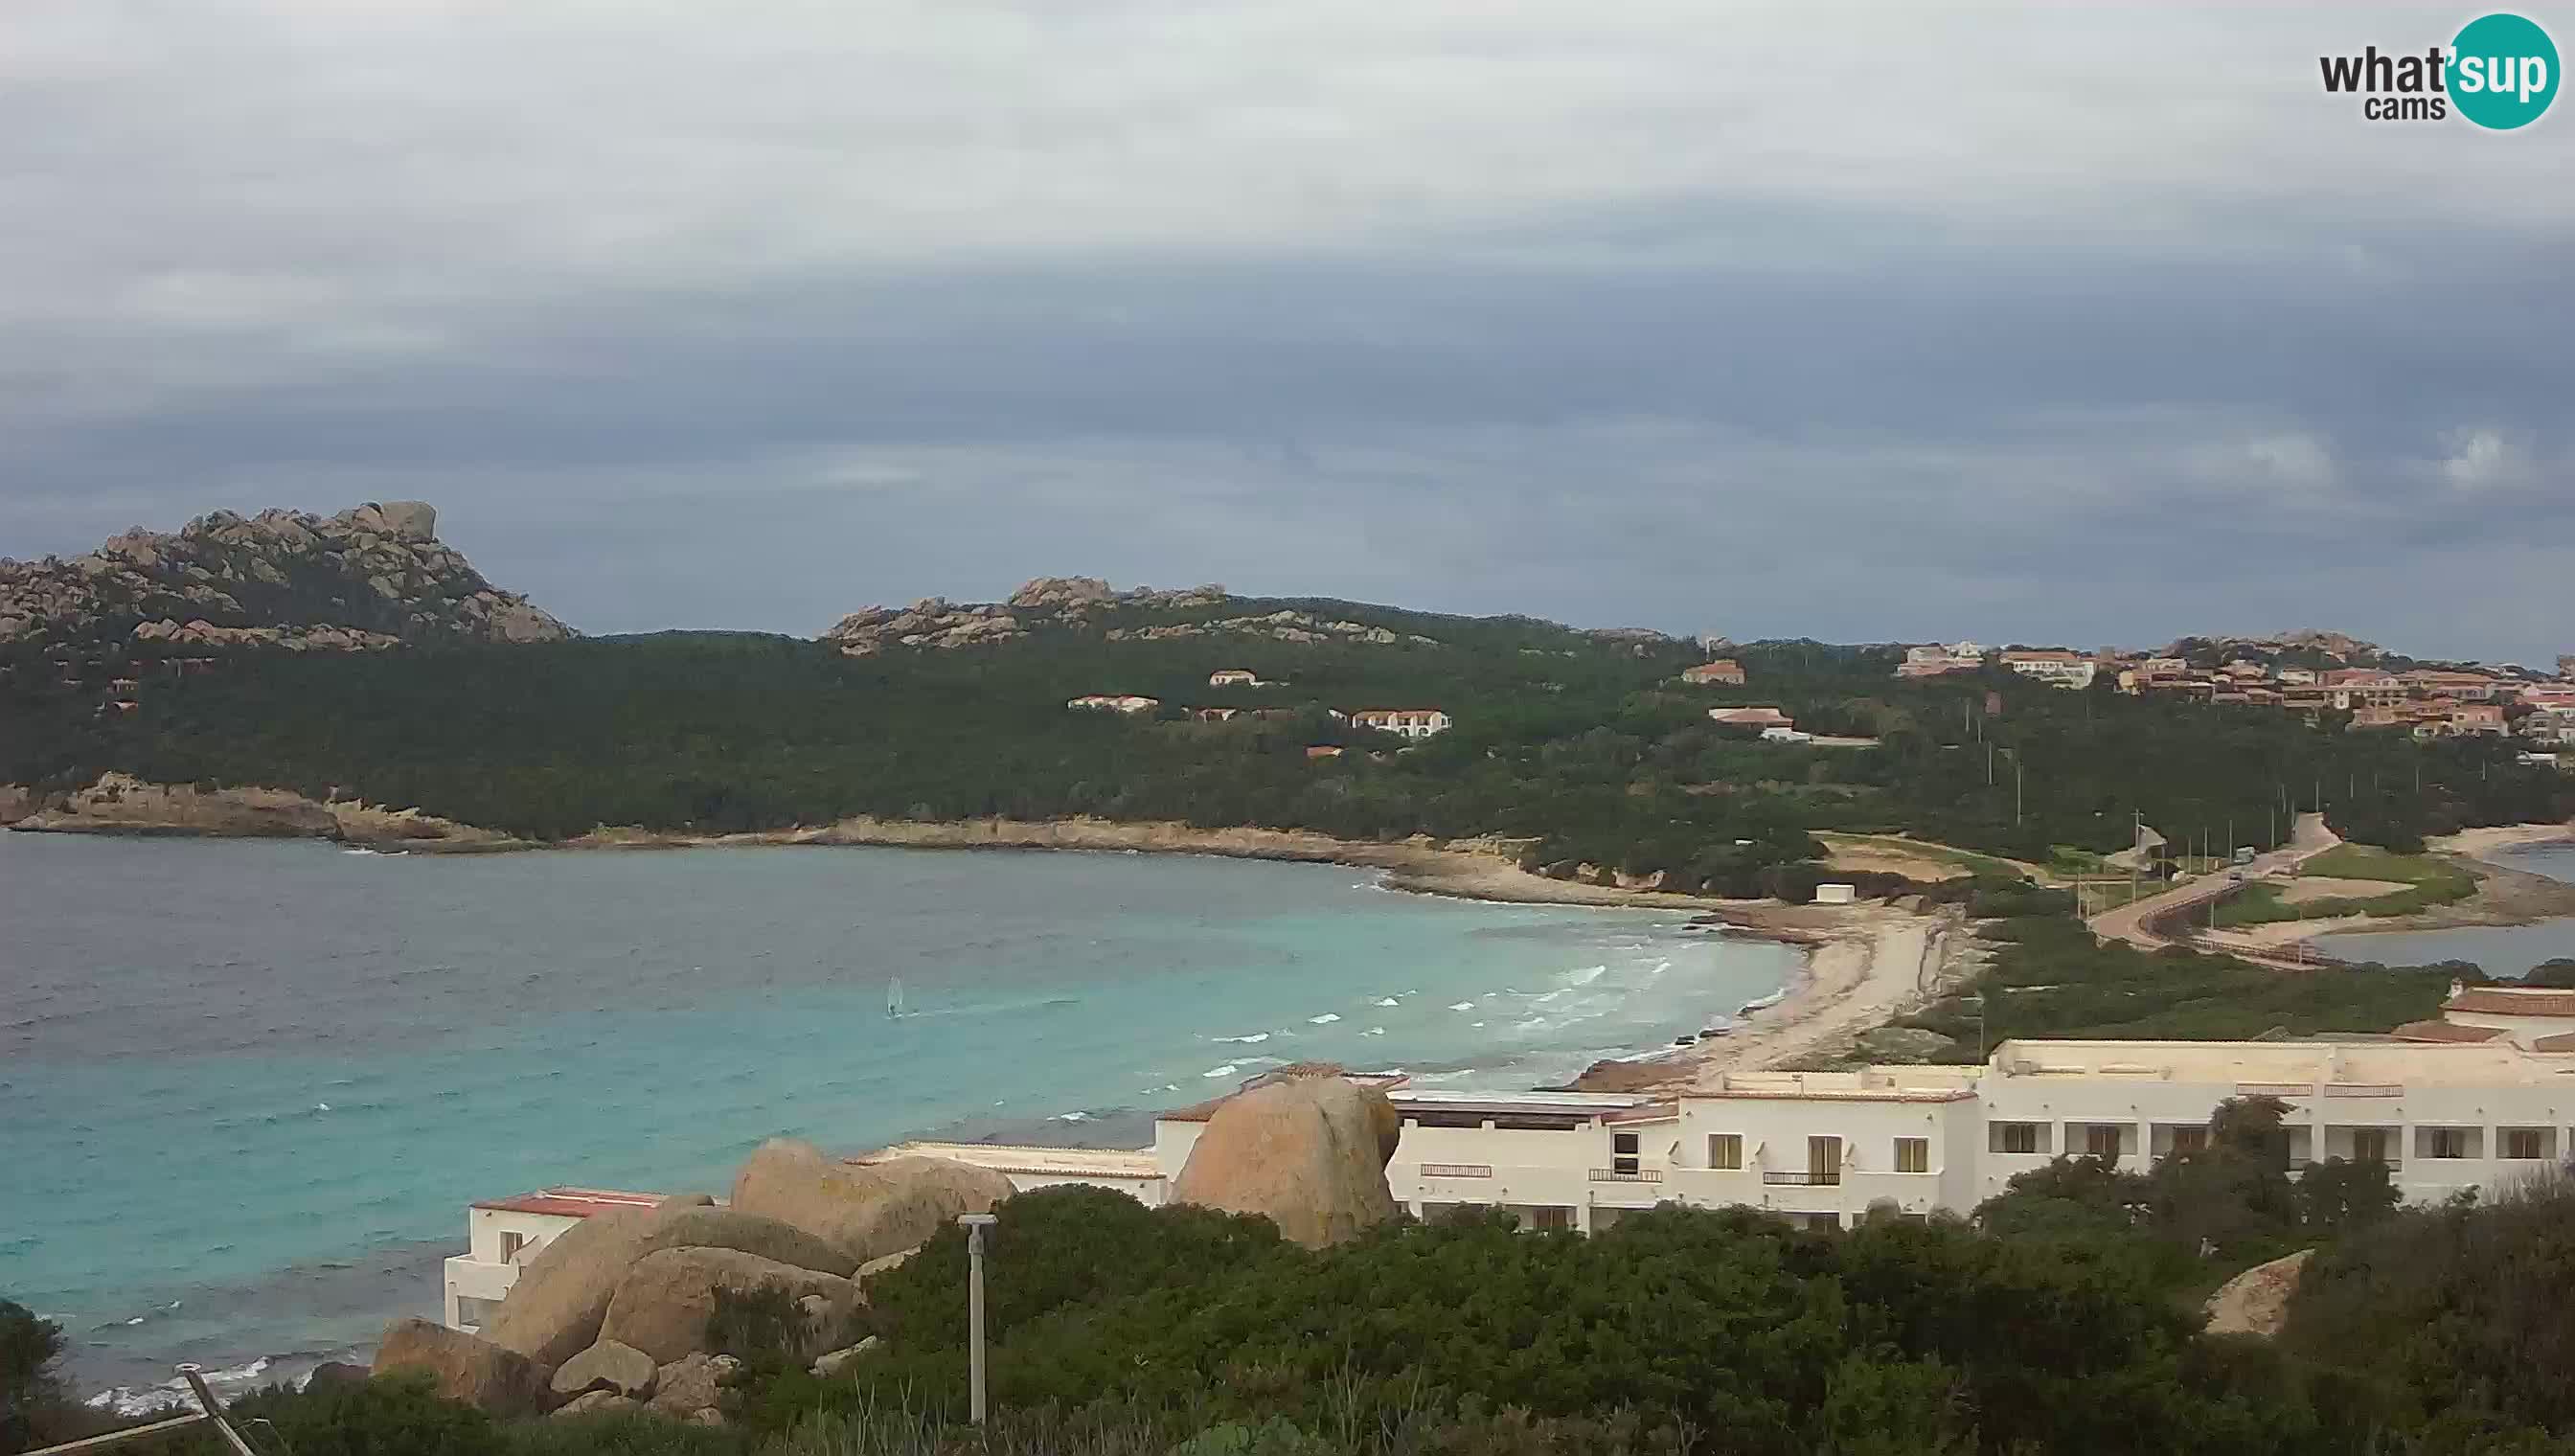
{"x":1627,"y":1175}
{"x":1457,"y":1170}
{"x":1803,"y":1180}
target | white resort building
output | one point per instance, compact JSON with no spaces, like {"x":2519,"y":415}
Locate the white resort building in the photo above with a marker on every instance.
{"x":2477,"y":1099}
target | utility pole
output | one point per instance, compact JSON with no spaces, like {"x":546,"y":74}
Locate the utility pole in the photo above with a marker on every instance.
{"x":974,"y":1223}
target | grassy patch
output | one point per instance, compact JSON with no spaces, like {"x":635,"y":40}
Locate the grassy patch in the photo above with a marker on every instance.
{"x":2049,"y":977}
{"x":1967,"y":859}
{"x":2428,"y":881}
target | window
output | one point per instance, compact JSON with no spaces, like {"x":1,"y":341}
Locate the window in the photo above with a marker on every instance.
{"x":1913,"y":1154}
{"x":1552,"y":1220}
{"x":511,"y":1243}
{"x":2190,"y":1139}
{"x":2101,"y":1140}
{"x":1823,"y":1161}
{"x":2523,"y":1142}
{"x":2017,"y":1137}
{"x":2445,"y":1142}
{"x":2369,"y":1145}
{"x":1622,"y":1152}
{"x":1725,"y":1150}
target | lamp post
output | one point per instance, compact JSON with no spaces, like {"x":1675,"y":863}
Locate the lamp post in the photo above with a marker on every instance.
{"x":975,"y":1224}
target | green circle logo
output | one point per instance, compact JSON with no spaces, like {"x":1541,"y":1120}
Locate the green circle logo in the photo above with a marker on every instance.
{"x":2503,"y":71}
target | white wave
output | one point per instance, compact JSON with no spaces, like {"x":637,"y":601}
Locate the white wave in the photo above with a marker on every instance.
{"x":1374,"y":1031}
{"x":1072,"y":1117}
{"x":1549,"y":996}
{"x":1326,"y":1019}
{"x":1254,"y":1039}
{"x":1586,"y":976}
{"x":135,"y":1400}
{"x":1226,"y":1070}
{"x":1462,"y":1005}
{"x":1659,"y":967}
{"x":321,"y":1106}
{"x":1389,"y":1001}
{"x":1171,"y":1086}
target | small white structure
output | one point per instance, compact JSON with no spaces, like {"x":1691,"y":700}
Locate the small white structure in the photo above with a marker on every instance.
{"x":1113,"y":703}
{"x":1412,"y":722}
{"x":1786,"y":735}
{"x":501,"y":1235}
{"x":1835,"y":894}
{"x":1240,"y":677}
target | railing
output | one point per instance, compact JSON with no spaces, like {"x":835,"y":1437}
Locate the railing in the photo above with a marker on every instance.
{"x":2275,"y":1089}
{"x":2364,"y":1089}
{"x":1804,"y":1180}
{"x":1457,"y":1170}
{"x":1627,"y":1175}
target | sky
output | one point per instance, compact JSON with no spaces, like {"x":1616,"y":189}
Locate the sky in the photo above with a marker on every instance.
{"x":2080,"y":323}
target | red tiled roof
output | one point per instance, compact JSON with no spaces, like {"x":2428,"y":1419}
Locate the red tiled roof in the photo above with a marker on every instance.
{"x":2446,"y":1032}
{"x":572,"y":1202}
{"x":2498,"y":1001}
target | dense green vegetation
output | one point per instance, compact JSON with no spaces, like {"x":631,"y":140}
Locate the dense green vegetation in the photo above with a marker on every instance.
{"x":2064,"y":1317}
{"x":1583,"y":744}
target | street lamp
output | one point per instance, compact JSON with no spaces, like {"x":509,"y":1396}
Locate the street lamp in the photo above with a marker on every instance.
{"x":975,"y":1224}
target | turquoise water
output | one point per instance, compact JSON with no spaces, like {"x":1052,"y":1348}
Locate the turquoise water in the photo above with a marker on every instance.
{"x":248,"y":1089}
{"x":2497,"y":949}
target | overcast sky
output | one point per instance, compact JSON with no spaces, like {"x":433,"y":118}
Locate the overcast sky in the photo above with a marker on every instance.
{"x":2080,"y":324}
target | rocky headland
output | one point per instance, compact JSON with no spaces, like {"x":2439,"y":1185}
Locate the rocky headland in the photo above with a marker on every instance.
{"x":1086,"y":604}
{"x":368,"y":578}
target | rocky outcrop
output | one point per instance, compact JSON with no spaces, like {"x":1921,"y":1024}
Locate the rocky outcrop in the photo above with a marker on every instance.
{"x":120,"y":804}
{"x":1309,"y":1152}
{"x":560,"y":1304}
{"x":661,"y":1304}
{"x":1085,"y":604}
{"x":2256,"y":1302}
{"x":598,"y":1403}
{"x":618,"y":1368}
{"x":465,"y":1368}
{"x":826,"y":1366}
{"x":366,"y":579}
{"x":868,"y":1209}
{"x":15,"y":802}
{"x":690,"y":1389}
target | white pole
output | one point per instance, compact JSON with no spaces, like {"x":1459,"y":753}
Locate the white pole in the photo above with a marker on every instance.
{"x":974,"y":1223}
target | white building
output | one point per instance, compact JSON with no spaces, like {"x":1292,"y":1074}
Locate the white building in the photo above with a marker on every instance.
{"x":501,"y":1235}
{"x":1113,"y":703}
{"x":2056,"y":668}
{"x":1412,"y":722}
{"x":1824,"y":1147}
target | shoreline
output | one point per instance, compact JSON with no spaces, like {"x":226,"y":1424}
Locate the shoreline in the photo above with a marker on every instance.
{"x":2506,"y":898}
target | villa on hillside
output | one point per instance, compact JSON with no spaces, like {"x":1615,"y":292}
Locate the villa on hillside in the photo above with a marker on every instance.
{"x":503,"y":1235}
{"x":1932,"y":661}
{"x":1113,"y":702}
{"x":1725,"y":670}
{"x":1239,"y":678}
{"x":1764,"y":717}
{"x":2057,"y":669}
{"x":1412,"y":722}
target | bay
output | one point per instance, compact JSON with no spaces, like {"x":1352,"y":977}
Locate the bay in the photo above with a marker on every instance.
{"x":247,"y":1088}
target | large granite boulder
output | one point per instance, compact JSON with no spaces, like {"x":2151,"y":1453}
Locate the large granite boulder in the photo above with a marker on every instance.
{"x":1309,"y":1153}
{"x":555,"y":1310}
{"x":607,"y":1365}
{"x":465,"y":1368}
{"x":598,"y":1403}
{"x":869,"y":1209}
{"x":661,"y":1306}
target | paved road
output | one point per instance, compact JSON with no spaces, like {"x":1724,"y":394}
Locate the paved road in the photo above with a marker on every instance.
{"x":2308,"y":838}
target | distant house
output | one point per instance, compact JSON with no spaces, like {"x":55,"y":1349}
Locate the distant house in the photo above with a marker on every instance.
{"x":1113,"y":702}
{"x":2352,"y":688}
{"x":2297,"y":677}
{"x":1764,"y":717}
{"x":1932,"y":661}
{"x":1323,"y":751}
{"x":1723,"y":669}
{"x":1214,"y":714}
{"x":1785,"y":736}
{"x":1412,"y":722}
{"x":2055,"y":667}
{"x":1236,"y":678}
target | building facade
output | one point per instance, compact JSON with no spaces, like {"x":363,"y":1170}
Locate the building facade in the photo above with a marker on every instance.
{"x":1412,"y":722}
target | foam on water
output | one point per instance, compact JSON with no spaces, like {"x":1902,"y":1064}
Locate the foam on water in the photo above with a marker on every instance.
{"x":644,"y":1022}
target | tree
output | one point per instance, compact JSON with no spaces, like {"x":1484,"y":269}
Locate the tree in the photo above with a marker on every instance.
{"x":28,"y":1384}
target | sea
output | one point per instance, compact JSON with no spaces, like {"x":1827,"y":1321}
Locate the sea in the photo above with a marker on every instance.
{"x":2499,"y":951}
{"x":248,"y":1089}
